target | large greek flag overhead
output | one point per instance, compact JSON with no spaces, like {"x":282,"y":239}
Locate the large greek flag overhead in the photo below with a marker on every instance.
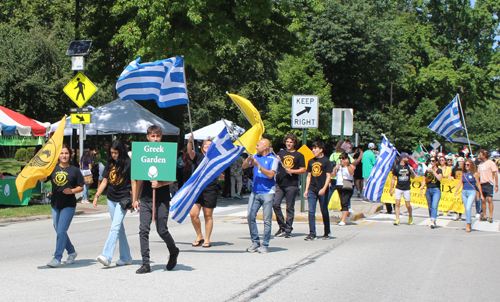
{"x":448,"y":121}
{"x":162,"y":80}
{"x":220,"y":155}
{"x":378,"y":176}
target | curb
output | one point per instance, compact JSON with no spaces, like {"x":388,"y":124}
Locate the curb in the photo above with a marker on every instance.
{"x":304,"y":217}
{"x":32,"y":218}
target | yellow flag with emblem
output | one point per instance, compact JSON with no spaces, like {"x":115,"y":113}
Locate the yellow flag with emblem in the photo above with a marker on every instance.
{"x":308,"y":154}
{"x":43,"y":163}
{"x":248,"y":109}
{"x":250,"y":139}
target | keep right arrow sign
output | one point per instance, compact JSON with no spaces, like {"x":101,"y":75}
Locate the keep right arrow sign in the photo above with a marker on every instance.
{"x":308,"y":109}
{"x":305,"y":111}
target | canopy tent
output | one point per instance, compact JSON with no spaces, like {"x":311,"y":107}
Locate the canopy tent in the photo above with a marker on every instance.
{"x":214,"y":129}
{"x":11,"y":121}
{"x":463,"y":141}
{"x":122,"y":117}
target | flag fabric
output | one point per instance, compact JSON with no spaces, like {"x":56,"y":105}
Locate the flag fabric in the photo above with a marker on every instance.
{"x":346,"y":146}
{"x":220,"y":155}
{"x":163,"y":81}
{"x":43,"y":163}
{"x":448,"y":121}
{"x":375,"y":183}
{"x":308,"y":154}
{"x":250,"y":139}
{"x":248,"y":109}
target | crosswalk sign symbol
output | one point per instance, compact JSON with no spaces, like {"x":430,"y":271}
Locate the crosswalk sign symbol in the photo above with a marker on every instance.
{"x":80,"y":89}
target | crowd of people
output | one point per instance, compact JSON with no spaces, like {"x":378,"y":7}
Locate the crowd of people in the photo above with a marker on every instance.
{"x":274,"y":177}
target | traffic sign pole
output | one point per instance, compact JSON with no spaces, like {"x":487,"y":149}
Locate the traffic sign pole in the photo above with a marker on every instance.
{"x":303,"y":176}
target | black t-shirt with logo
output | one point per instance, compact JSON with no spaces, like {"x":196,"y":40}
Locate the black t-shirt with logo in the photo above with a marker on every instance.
{"x":291,"y":160}
{"x":162,"y":193}
{"x":431,"y":180}
{"x":318,"y":167}
{"x":119,"y":186}
{"x":457,"y":172}
{"x":403,"y":175}
{"x":69,"y":177}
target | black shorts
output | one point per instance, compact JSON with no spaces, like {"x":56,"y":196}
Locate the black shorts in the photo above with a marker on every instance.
{"x":345,"y":198}
{"x":487,"y":189}
{"x":207,"y":199}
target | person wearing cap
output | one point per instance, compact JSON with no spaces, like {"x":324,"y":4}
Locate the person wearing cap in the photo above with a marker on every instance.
{"x":456,"y":173}
{"x":368,"y":162}
{"x":402,"y":173}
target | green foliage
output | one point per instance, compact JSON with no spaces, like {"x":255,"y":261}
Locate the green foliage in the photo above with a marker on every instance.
{"x":30,"y":152}
{"x":20,"y":154}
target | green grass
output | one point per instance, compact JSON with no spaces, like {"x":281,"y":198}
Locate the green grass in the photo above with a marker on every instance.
{"x":24,"y":211}
{"x":11,"y":166}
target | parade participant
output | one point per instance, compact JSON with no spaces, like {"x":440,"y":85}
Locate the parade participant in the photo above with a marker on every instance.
{"x":443,"y":165}
{"x":162,"y":209}
{"x":402,"y":173}
{"x":432,"y":181}
{"x":319,"y":170}
{"x":102,"y":156}
{"x":287,"y":182}
{"x":488,"y":175}
{"x":237,"y":177}
{"x":86,"y":164}
{"x":334,"y":159}
{"x":456,"y":173}
{"x":67,"y":180}
{"x":368,"y":161}
{"x":206,"y":201}
{"x":116,"y":177}
{"x":469,"y":180}
{"x":265,"y":166}
{"x":358,"y":173}
{"x":344,"y":171}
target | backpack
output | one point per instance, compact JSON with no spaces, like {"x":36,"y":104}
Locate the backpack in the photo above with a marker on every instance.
{"x":180,"y":163}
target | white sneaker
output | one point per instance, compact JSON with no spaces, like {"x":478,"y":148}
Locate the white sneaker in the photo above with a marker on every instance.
{"x":478,"y":216}
{"x":341,"y":223}
{"x":121,"y":262}
{"x":351,"y":213}
{"x":71,"y":258}
{"x":103,"y":260}
{"x":54,"y":263}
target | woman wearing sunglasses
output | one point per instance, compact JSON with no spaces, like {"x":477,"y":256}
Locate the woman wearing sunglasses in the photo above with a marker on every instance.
{"x":344,"y":172}
{"x":432,"y":181}
{"x":470,"y":183}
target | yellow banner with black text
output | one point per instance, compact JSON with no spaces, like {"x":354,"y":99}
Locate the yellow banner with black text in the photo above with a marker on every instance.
{"x":448,"y":201}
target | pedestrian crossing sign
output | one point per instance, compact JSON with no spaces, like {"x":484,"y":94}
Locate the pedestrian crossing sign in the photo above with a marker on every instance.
{"x":80,"y":89}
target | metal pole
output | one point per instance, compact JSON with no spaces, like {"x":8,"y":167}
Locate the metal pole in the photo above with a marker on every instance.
{"x":342,"y":126}
{"x":303,"y":176}
{"x":356,"y":136}
{"x":82,"y":129}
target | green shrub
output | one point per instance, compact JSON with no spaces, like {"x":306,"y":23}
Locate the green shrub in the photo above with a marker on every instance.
{"x":30,"y":152}
{"x":20,"y":154}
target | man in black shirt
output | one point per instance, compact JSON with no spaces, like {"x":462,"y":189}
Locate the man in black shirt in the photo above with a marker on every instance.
{"x":402,"y":172}
{"x":162,"y":209}
{"x":287,"y":182}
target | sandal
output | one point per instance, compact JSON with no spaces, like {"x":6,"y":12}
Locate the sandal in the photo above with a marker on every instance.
{"x":206,"y":244}
{"x":197,"y":243}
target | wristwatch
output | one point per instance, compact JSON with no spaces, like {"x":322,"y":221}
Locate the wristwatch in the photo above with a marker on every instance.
{"x":259,"y":167}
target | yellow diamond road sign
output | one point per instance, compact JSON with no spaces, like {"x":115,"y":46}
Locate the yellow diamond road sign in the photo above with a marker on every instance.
{"x":80,"y":118}
{"x":80,"y":89}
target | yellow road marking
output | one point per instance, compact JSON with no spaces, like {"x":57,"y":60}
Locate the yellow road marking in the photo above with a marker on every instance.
{"x":361,"y":223}
{"x":371,"y":224}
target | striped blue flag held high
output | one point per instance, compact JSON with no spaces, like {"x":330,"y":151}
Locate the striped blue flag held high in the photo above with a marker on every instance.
{"x":162,"y":80}
{"x":448,"y":121}
{"x":220,"y":155}
{"x":376,"y":182}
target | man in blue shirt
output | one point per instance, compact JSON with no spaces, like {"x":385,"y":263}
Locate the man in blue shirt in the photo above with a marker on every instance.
{"x":265,"y":165}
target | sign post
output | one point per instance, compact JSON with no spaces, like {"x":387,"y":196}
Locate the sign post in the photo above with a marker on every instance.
{"x":154,"y":161}
{"x":304,"y":115}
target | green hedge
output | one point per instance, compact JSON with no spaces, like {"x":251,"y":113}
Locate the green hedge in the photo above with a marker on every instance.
{"x":25,"y":154}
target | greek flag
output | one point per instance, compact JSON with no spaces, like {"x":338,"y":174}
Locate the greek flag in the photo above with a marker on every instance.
{"x":162,"y":81}
{"x":378,"y":176}
{"x":448,"y":121}
{"x":219,"y":156}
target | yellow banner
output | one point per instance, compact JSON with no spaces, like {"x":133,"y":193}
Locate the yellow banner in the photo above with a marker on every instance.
{"x":448,"y":201}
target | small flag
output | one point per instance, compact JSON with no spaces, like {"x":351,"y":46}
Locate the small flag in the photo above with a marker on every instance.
{"x":378,"y":176}
{"x":43,"y":163}
{"x":448,"y":121}
{"x":346,"y":146}
{"x":308,"y":154}
{"x":220,"y":155}
{"x":162,"y":80}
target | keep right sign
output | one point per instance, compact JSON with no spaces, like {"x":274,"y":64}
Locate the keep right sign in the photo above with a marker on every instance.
{"x":305,"y":111}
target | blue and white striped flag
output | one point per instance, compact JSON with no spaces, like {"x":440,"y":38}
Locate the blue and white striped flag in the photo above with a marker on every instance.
{"x":378,"y":176}
{"x":220,"y":155}
{"x":448,"y":121}
{"x":161,"y":80}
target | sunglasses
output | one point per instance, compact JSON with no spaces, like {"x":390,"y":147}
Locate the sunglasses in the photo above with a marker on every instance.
{"x":342,"y":158}
{"x":433,"y":160}
{"x":467,"y":165}
{"x":449,"y":159}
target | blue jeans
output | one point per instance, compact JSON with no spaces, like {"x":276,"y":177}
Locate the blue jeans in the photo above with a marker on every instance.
{"x":85,"y":192}
{"x":255,"y":201}
{"x":62,"y":219}
{"x":117,"y":232}
{"x":468,"y":198}
{"x":433,"y":195}
{"x":479,"y":210}
{"x":312,"y":197}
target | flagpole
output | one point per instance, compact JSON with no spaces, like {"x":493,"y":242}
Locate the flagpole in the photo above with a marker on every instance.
{"x":187,"y":94}
{"x":463,"y":118}
{"x":423,"y":146}
{"x":237,"y":138}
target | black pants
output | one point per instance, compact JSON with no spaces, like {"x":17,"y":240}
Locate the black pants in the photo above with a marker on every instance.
{"x":161,"y":219}
{"x":289,"y":193}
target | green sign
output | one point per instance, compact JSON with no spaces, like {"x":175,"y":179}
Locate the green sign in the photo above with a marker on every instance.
{"x":8,"y":193}
{"x":154,"y":161}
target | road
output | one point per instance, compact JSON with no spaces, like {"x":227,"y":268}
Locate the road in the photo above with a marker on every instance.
{"x":370,"y":259}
